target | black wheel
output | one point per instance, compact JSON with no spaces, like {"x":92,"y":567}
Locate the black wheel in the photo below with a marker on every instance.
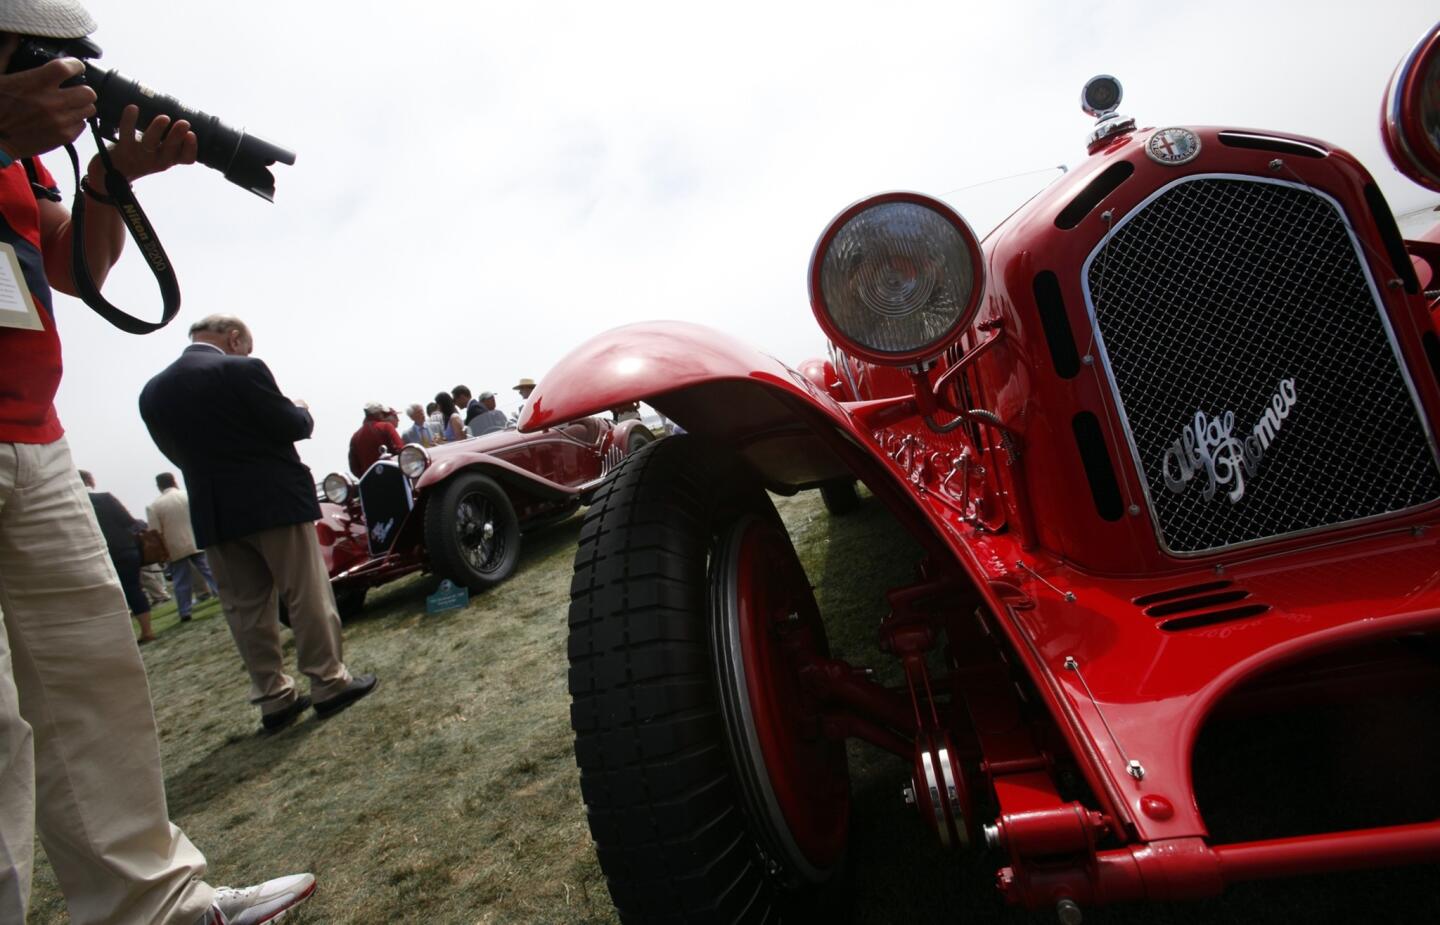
{"x":471,"y":533}
{"x":640,"y":438}
{"x":712,"y":793}
{"x":350,"y":600}
{"x":840,"y":497}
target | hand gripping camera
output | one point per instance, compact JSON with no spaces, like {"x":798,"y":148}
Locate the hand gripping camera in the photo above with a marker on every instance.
{"x":243,"y":159}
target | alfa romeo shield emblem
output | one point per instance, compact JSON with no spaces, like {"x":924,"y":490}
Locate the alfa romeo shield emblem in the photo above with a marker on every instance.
{"x":1173,"y":146}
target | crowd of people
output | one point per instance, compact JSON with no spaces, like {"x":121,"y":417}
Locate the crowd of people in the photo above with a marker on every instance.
{"x":453,"y":415}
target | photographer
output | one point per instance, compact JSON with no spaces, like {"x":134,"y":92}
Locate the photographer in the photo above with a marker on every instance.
{"x":75,"y":712}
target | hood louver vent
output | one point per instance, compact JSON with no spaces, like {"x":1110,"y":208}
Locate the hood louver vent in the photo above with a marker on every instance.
{"x":1199,"y":605}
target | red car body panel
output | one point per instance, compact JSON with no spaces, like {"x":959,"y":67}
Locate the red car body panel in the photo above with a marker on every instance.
{"x":1124,"y":682}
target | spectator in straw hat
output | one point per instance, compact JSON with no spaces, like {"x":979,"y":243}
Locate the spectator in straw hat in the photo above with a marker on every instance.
{"x":524,"y":387}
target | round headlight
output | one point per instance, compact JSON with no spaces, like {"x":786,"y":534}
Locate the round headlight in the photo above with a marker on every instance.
{"x":413,"y":460}
{"x":337,"y":488}
{"x":895,"y":277}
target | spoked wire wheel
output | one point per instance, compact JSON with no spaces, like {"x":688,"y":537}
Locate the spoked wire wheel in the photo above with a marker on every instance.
{"x":471,"y":533}
{"x":475,"y":531}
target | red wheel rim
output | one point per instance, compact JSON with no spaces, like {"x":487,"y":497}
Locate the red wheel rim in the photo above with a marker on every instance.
{"x":796,"y":781}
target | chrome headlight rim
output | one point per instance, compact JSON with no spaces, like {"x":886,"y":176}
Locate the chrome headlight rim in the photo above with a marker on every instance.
{"x":337,"y":487}
{"x":922,"y":353}
{"x":1403,"y":116}
{"x":414,"y":461}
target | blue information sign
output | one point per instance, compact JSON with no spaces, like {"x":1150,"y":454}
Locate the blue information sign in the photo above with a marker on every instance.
{"x":447,"y":597}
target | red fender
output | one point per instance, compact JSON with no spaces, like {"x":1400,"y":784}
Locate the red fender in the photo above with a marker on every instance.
{"x":640,"y":362}
{"x":709,"y":383}
{"x":450,"y":464}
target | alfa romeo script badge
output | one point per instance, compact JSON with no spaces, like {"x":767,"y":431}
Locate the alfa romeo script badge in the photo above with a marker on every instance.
{"x":1173,"y":146}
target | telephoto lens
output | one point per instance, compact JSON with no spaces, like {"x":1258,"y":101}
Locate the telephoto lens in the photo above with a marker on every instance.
{"x":243,"y":159}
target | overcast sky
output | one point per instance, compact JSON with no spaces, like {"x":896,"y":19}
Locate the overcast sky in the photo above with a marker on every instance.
{"x":480,"y":187}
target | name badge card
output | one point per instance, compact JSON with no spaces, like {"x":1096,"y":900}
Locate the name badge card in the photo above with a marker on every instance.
{"x":17,"y":308}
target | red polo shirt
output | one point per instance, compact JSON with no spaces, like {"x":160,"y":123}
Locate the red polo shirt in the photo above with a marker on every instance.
{"x":366,"y":443}
{"x":29,"y":360}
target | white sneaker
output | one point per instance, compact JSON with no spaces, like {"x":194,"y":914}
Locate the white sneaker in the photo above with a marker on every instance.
{"x":264,"y":902}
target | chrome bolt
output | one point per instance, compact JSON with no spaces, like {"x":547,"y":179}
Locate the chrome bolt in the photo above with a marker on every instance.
{"x":1068,"y":912}
{"x":1070,"y":663}
{"x":1088,"y":360}
{"x":1276,"y":164}
{"x":992,"y":836}
{"x":1417,"y":531}
{"x":1136,"y":769}
{"x":1219,"y":570}
{"x":1134,"y":510}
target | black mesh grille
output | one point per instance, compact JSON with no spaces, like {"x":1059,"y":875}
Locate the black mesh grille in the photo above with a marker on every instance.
{"x":385,"y":498}
{"x":1206,"y":299}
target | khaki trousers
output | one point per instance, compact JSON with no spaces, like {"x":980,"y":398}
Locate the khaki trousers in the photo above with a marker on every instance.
{"x":254,"y":573}
{"x":79,"y":755}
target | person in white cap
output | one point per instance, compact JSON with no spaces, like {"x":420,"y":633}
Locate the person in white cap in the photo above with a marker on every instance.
{"x":375,"y":434}
{"x":488,"y":419}
{"x":75,"y":711}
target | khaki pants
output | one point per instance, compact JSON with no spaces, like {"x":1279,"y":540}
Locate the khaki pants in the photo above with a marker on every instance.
{"x":79,"y":755}
{"x":250,"y":571}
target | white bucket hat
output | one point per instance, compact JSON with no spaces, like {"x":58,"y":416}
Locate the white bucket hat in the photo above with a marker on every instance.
{"x":55,"y":19}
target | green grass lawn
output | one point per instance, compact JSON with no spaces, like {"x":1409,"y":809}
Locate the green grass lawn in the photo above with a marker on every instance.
{"x":450,"y":795}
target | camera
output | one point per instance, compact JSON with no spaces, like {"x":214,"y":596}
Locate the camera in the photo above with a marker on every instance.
{"x":243,"y":159}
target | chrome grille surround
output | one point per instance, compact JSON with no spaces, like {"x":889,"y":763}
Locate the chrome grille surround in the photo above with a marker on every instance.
{"x":1203,"y":299}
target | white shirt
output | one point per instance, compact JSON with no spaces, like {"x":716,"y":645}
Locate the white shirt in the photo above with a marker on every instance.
{"x":170,"y":514}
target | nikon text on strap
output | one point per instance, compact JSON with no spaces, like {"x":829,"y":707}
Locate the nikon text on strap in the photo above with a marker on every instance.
{"x":141,"y":231}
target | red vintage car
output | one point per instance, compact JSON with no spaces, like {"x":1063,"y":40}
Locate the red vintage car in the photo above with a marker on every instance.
{"x":1167,"y":438}
{"x":459,"y":509}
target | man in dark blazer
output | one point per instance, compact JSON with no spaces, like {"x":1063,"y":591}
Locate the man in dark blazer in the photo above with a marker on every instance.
{"x":217,"y":413}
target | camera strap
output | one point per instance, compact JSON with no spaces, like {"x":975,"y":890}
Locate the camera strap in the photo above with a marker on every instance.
{"x":141,"y":232}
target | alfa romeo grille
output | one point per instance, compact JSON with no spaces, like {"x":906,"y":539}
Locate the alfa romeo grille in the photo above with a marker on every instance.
{"x":385,"y":498}
{"x":1253,"y":365}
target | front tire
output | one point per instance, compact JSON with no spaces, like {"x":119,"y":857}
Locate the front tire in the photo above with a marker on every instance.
{"x":640,"y":438}
{"x":712,"y":794}
{"x":471,"y":533}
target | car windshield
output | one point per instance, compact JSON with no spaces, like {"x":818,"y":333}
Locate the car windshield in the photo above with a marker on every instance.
{"x":985,"y":205}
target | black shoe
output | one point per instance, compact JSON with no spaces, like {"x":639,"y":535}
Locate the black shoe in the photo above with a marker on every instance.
{"x":359,"y":686}
{"x":185,"y":619}
{"x":274,"y":722}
